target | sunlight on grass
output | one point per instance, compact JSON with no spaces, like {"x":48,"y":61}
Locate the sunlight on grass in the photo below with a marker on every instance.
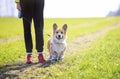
{"x":98,"y":61}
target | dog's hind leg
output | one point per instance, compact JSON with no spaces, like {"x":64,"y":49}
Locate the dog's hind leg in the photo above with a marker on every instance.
{"x":49,"y":48}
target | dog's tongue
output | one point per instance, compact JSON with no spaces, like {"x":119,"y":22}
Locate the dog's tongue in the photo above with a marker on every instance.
{"x":59,"y":38}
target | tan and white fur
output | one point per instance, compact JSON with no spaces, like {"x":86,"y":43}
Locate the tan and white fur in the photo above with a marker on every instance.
{"x":57,"y":44}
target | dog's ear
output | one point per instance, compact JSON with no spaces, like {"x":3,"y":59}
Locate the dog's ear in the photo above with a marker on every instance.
{"x":64,"y":27}
{"x":54,"y":27}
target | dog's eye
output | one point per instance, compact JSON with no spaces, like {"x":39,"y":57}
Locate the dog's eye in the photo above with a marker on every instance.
{"x":61,"y":32}
{"x":56,"y":32}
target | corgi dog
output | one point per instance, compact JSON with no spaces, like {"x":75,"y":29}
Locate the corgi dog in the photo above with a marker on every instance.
{"x":57,"y":44}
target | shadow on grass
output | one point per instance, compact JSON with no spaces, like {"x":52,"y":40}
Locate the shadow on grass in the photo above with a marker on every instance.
{"x":5,"y":71}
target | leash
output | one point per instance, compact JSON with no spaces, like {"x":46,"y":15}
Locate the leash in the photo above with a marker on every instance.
{"x":47,"y":34}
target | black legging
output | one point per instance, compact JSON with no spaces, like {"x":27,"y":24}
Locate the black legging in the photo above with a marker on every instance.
{"x":33,"y":9}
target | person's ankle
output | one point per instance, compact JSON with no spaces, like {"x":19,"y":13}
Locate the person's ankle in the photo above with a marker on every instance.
{"x":29,"y":53}
{"x":41,"y":58}
{"x":39,"y":53}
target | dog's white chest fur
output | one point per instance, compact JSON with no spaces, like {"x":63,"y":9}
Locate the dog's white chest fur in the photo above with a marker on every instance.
{"x":58,"y":47}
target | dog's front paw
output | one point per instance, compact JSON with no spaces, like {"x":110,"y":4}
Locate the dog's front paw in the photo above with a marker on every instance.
{"x":60,"y":58}
{"x":52,"y":59}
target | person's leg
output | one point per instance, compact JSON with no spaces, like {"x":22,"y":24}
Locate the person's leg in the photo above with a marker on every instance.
{"x":27,"y":20}
{"x":39,"y":25}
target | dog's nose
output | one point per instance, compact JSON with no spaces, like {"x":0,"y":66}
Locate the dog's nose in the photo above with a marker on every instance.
{"x":59,"y":36}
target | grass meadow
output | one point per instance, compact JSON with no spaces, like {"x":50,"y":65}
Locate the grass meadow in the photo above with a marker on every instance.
{"x":101,"y":60}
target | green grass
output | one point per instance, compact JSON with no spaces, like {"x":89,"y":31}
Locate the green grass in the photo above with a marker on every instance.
{"x":11,"y":52}
{"x":11,"y":27}
{"x":99,"y":61}
{"x":80,"y":26}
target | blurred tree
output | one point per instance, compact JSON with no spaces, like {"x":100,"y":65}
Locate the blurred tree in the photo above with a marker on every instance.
{"x":114,"y":13}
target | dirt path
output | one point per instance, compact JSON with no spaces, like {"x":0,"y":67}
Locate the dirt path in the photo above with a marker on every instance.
{"x":11,"y":39}
{"x":85,"y":40}
{"x":20,"y":68}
